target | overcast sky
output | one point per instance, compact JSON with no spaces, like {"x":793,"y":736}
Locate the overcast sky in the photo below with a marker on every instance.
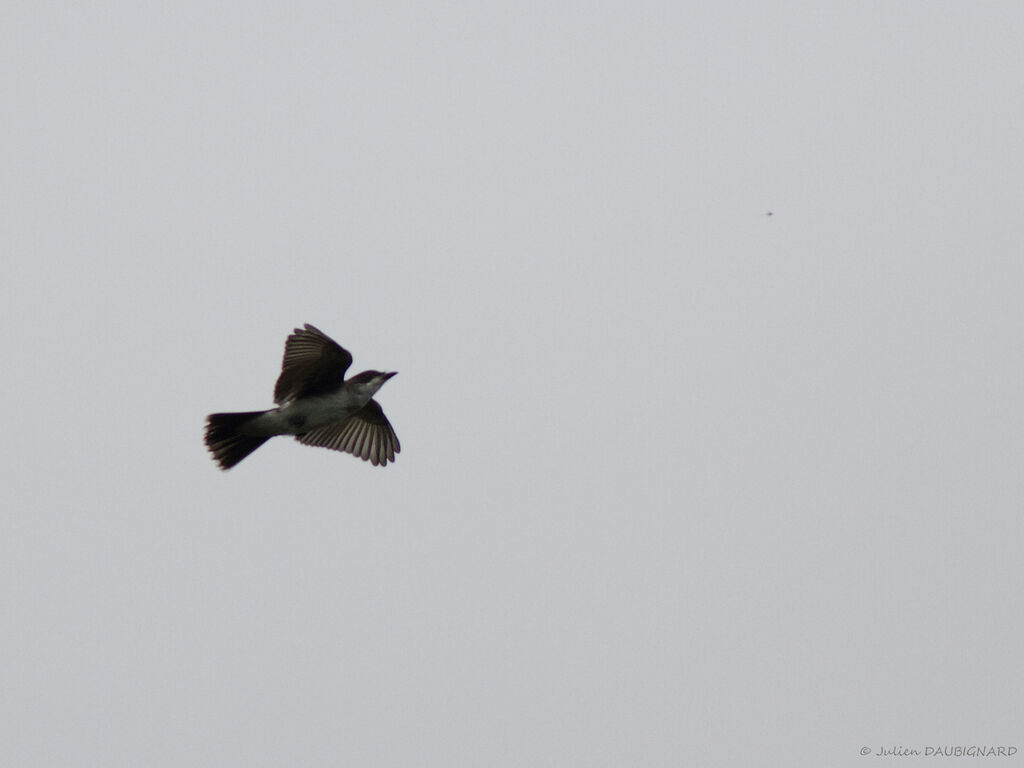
{"x":681,"y":482}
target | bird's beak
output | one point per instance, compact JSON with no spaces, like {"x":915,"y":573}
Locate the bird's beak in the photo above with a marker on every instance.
{"x":389,"y":375}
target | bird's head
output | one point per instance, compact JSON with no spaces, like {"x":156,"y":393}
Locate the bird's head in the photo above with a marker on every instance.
{"x":370,"y":381}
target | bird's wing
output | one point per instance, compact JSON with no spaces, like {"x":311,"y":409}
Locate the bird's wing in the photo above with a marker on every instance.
{"x":367,"y":434}
{"x":314,"y":364}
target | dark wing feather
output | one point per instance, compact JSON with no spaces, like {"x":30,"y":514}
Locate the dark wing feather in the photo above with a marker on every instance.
{"x":314,"y":364}
{"x":366,"y":434}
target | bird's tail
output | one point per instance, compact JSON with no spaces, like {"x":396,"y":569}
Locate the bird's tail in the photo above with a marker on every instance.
{"x":225,"y":439}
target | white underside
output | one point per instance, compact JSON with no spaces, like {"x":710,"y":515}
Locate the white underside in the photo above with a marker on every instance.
{"x":309,"y":413}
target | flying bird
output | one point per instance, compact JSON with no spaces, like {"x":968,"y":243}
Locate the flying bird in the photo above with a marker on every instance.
{"x":315,"y":403}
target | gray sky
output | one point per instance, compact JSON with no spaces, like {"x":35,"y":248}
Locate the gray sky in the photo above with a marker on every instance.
{"x":681,"y":483}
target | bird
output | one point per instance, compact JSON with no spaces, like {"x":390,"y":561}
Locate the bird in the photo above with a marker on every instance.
{"x":315,"y":404}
